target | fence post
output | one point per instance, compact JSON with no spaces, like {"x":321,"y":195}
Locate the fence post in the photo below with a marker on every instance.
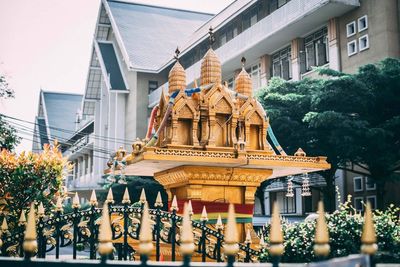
{"x":92,"y":213}
{"x":75,"y":220}
{"x":248,"y":243}
{"x":321,"y":247}
{"x":203,"y":219}
{"x":3,"y":235}
{"x":126,"y":201}
{"x":105,"y":235}
{"x":30,"y":244}
{"x":59,"y":210}
{"x":145,"y":236}
{"x":231,"y":237}
{"x":41,"y":238}
{"x":174,"y":209}
{"x":276,"y":248}
{"x":368,"y":237}
{"x":21,"y":225}
{"x":219,"y":226}
{"x":187,"y":240}
{"x":158,"y":205}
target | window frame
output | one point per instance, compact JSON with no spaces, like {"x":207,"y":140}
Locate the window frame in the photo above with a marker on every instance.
{"x":361,"y":201}
{"x":151,"y":90}
{"x":367,"y":185}
{"x":360,"y":29}
{"x":347,"y":29}
{"x":360,"y":40}
{"x":355,"y":50}
{"x":371,"y":197}
{"x":362,"y":183}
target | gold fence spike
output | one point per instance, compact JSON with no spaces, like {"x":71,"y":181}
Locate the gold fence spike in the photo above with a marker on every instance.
{"x":174,"y":204}
{"x":22,"y":218}
{"x":145,"y":236}
{"x":158,"y":203}
{"x":4,"y":225}
{"x":110,"y":197}
{"x":93,"y":198}
{"x":105,"y":234}
{"x":276,"y":235}
{"x":142,"y":198}
{"x":219,"y":225}
{"x":59,"y":206}
{"x":262,"y":241}
{"x":126,"y":199}
{"x":248,"y":237}
{"x":41,"y":210}
{"x":30,"y":243}
{"x":190,"y":208}
{"x":368,"y":237}
{"x":186,"y":239}
{"x":204,"y":216}
{"x":231,"y":234}
{"x":321,"y":247}
{"x":75,"y":201}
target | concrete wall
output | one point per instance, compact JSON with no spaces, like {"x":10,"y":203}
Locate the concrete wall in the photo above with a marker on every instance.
{"x":383,"y":32}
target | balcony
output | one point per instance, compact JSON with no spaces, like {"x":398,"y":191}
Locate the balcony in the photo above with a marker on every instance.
{"x":82,"y":146}
{"x":87,"y":181}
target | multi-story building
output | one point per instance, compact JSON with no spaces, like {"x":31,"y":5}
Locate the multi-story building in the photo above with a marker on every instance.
{"x":134,"y":45}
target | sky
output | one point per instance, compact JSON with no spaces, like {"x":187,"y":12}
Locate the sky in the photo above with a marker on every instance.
{"x":46,"y":44}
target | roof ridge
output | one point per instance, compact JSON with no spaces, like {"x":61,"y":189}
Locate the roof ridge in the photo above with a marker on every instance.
{"x":161,"y":7}
{"x":61,"y":93}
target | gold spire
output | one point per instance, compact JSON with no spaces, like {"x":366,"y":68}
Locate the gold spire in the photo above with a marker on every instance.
{"x":93,"y":199}
{"x":125,"y":198}
{"x":142,"y":198}
{"x":177,"y":75}
{"x":4,"y":225}
{"x":210,"y":68}
{"x":243,"y":83}
{"x":368,"y":237}
{"x":231,"y":235}
{"x":145,"y":236}
{"x":75,"y":201}
{"x":22,"y":218}
{"x":276,"y":236}
{"x":59,"y":206}
{"x":105,"y":234}
{"x":321,"y":247}
{"x":158,"y":203}
{"x":30,"y":243}
{"x":174,"y":204}
{"x":204,"y":216}
{"x":41,"y":210}
{"x":219,"y":225}
{"x":187,"y":241}
{"x":248,"y":237}
{"x":190,"y":208}
{"x":110,"y":197}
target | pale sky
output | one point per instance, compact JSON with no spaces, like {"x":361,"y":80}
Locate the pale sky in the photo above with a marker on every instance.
{"x":46,"y":44}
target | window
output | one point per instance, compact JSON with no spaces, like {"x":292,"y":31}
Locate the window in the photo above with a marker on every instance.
{"x":363,"y":42}
{"x":316,"y":50}
{"x":231,"y":83}
{"x":358,"y":203}
{"x":362,"y":23}
{"x":358,"y":183}
{"x":369,"y":184}
{"x":153,"y":85}
{"x":102,"y":32}
{"x":372,"y":200}
{"x":352,"y":48}
{"x":287,"y":205}
{"x":254,"y":72}
{"x":281,"y":64}
{"x":93,"y":84}
{"x":351,"y":28}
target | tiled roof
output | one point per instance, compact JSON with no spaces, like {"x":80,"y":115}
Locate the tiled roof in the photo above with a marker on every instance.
{"x":150,"y":34}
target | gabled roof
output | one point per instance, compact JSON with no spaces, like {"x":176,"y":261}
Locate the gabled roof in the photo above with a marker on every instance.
{"x":111,"y":65}
{"x":150,"y":34}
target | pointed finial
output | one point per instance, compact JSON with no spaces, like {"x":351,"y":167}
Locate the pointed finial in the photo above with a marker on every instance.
{"x":243,"y":60}
{"x":4,"y":225}
{"x":174,"y":204}
{"x":40,"y":210}
{"x":219,"y":225}
{"x":190,"y":208}
{"x":248,"y":237}
{"x":321,"y":247}
{"x":145,"y":237}
{"x":93,"y":199}
{"x":125,"y":198}
{"x":105,"y":234}
{"x":276,"y":236}
{"x":30,"y":243}
{"x":22,"y":218}
{"x":59,"y":206}
{"x":158,"y":203}
{"x":177,"y":52}
{"x":231,"y":235}
{"x":75,"y":202}
{"x":368,"y":237}
{"x":110,"y":197}
{"x":204,"y":217}
{"x":262,"y":242}
{"x":187,"y":240}
{"x":211,"y":38}
{"x":142,"y":198}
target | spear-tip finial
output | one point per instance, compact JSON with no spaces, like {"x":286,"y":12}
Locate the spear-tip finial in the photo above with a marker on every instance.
{"x":231,"y":234}
{"x":321,"y":247}
{"x":22,"y":218}
{"x":219,"y":225}
{"x":248,"y":237}
{"x":59,"y":206}
{"x":110,"y":197}
{"x":368,"y":237}
{"x":204,"y":216}
{"x":30,"y":243}
{"x":243,"y":60}
{"x":174,"y":204}
{"x":177,"y":52}
{"x":211,"y":38}
{"x":4,"y":225}
{"x":40,"y":210}
{"x":142,"y":198}
{"x":75,"y":202}
{"x":145,"y":236}
{"x":190,"y":208}
{"x":158,"y":203}
{"x":187,"y":240}
{"x":105,"y":233}
{"x":276,"y":236}
{"x":125,"y":198}
{"x":93,"y":198}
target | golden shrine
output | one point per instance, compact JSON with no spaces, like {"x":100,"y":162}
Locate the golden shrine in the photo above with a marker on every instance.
{"x":210,"y":143}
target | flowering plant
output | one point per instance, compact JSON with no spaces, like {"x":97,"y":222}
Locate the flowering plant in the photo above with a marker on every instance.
{"x":345,"y":228}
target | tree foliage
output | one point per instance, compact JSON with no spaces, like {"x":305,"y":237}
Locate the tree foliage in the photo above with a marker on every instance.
{"x":346,"y":117}
{"x":8,"y":136}
{"x":5,"y":90}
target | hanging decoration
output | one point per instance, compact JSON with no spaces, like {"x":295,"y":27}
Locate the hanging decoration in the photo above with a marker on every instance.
{"x":290,"y":187}
{"x":305,"y":187}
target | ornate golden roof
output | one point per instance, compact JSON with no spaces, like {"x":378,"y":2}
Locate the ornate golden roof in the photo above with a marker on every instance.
{"x":210,"y":68}
{"x":243,"y":83}
{"x":177,"y":78}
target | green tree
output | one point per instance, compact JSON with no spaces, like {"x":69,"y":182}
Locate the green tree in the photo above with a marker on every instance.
{"x":339,"y":116}
{"x":5,"y":90}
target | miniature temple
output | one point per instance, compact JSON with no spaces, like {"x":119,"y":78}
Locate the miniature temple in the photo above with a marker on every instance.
{"x":210,"y":143}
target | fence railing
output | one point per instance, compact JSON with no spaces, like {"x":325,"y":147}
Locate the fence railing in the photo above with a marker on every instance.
{"x":110,"y":232}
